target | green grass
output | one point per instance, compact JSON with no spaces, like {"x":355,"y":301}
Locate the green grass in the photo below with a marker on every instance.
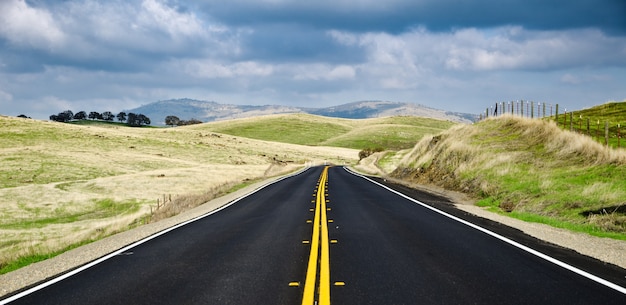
{"x":532,"y":170}
{"x":39,"y":256}
{"x":596,"y":117}
{"x":387,"y":159}
{"x":67,"y":213}
{"x":391,"y":133}
{"x":494,"y":205}
{"x":288,"y":129}
{"x":97,"y":123}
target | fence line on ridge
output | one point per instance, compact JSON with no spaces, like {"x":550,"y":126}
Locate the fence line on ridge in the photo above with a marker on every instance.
{"x":603,"y":131}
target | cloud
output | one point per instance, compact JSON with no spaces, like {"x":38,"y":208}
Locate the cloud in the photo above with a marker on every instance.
{"x":93,"y":52}
{"x":5,"y":97}
{"x":323,"y":72}
{"x":113,"y":35}
{"x":167,"y":19}
{"x":26,"y":26}
{"x":504,"y":48}
{"x":396,"y":16}
{"x":211,"y":69}
{"x":517,"y":48}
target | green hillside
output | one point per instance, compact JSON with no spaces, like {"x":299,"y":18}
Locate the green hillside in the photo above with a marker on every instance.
{"x":389,"y":133}
{"x":529,"y":169}
{"x":592,"y":121}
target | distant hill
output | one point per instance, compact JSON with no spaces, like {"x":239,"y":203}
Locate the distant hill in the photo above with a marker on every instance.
{"x":207,"y":111}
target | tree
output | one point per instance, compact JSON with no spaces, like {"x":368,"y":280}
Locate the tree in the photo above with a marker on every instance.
{"x":144,"y":120}
{"x":23,"y":116}
{"x":132,"y":119}
{"x":190,"y":122}
{"x":137,"y":120}
{"x":121,"y":116}
{"x":94,"y":115}
{"x":172,"y":120}
{"x":66,"y":116}
{"x":107,"y":116}
{"x":81,"y":115}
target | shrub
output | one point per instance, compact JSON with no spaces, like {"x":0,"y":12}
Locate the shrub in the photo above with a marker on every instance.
{"x":369,"y":151}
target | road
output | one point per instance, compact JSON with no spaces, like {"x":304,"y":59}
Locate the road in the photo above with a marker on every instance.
{"x":328,"y":236}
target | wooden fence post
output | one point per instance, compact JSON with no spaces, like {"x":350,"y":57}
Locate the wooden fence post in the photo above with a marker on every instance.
{"x":571,"y":121}
{"x":556,"y":118}
{"x":606,"y":133}
{"x":580,"y":123}
{"x":619,"y":136}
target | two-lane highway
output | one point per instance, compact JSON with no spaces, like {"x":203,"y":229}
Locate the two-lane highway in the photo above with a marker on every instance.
{"x":327,"y":236}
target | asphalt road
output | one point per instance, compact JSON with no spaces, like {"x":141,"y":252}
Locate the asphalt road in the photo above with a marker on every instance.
{"x":384,"y":249}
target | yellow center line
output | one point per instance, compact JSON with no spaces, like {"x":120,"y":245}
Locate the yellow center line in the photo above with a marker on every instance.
{"x":324,"y":297}
{"x":319,"y":242}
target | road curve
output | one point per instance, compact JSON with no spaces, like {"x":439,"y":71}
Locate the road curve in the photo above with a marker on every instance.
{"x":383,"y":248}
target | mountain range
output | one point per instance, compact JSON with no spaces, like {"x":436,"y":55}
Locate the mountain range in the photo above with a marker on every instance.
{"x":207,"y":111}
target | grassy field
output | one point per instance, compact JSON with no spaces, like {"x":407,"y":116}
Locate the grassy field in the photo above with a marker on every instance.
{"x":389,"y":133}
{"x":528,"y":169}
{"x":614,"y":113}
{"x":64,"y":185}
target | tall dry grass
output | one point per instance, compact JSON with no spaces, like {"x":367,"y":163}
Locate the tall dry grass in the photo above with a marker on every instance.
{"x":525,"y":166}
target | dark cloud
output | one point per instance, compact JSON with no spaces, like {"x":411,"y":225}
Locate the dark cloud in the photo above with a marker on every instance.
{"x":292,"y":42}
{"x":452,"y":54}
{"x":440,"y":15}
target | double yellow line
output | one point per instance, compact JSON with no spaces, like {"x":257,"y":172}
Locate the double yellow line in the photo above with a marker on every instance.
{"x":319,"y":256}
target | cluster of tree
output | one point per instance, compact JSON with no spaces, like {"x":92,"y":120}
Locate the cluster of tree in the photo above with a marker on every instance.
{"x":173,"y":120}
{"x":131,"y":119}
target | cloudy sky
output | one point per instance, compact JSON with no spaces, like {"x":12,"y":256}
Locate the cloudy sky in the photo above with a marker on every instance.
{"x":458,"y":55}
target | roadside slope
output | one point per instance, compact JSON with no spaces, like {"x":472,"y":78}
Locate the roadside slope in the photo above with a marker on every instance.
{"x":528,"y":169}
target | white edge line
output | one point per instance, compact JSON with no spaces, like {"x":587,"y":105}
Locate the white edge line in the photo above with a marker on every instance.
{"x":137,"y":243}
{"x":504,"y":239}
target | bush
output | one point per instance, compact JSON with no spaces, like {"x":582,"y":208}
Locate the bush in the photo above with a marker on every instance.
{"x":369,"y":151}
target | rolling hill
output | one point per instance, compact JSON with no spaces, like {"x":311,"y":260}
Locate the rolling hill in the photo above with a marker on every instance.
{"x":393,"y":133}
{"x":206,"y":111}
{"x":526,"y":168}
{"x":98,"y":179}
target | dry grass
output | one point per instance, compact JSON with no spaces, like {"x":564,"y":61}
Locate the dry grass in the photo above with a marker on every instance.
{"x":526,"y":167}
{"x":57,"y":179}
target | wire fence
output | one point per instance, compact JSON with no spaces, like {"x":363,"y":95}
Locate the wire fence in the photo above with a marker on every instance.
{"x":603,"y":130}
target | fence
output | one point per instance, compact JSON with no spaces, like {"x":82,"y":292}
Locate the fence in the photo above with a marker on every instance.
{"x":607,"y":132}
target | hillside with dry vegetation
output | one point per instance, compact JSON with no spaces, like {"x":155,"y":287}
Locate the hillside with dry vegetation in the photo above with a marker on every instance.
{"x":62,"y":185}
{"x":529,"y":169}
